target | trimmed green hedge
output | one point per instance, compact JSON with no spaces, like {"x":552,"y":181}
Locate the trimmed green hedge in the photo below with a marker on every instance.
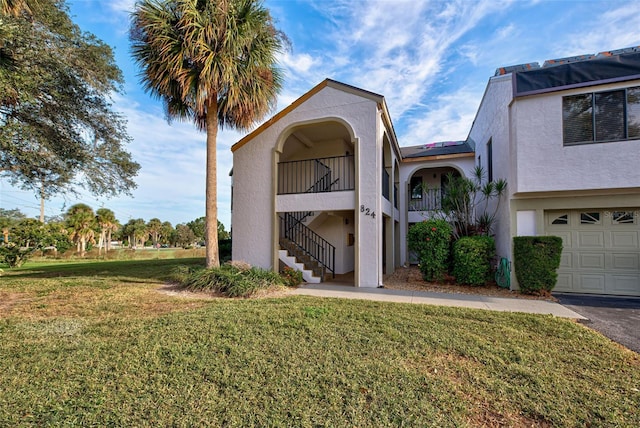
{"x":472,"y":259}
{"x":536,"y":259}
{"x":430,"y":240}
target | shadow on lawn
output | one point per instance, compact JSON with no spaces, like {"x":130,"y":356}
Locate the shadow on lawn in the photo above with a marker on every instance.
{"x":158,"y":269}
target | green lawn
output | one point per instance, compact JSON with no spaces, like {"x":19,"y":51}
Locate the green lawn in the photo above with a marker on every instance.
{"x":95,"y":344}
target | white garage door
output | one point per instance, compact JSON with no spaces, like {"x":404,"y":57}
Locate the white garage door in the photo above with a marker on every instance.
{"x":601,"y":253}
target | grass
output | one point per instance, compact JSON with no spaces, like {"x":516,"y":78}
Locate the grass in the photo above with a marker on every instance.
{"x":96,"y":344}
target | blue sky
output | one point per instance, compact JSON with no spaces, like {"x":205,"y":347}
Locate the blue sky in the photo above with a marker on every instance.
{"x":430,"y":59}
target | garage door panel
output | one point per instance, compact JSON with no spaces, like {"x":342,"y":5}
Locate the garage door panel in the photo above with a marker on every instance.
{"x":592,"y":283}
{"x":624,"y":240}
{"x":625,"y":284}
{"x":591,"y":260}
{"x":565,"y":282}
{"x":591,"y":239}
{"x":566,"y":238}
{"x":625,"y":261}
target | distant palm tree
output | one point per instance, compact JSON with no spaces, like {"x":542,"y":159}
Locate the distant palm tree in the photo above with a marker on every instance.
{"x":213,"y":63}
{"x":154,"y":227}
{"x":107,"y":221}
{"x":81,"y":221}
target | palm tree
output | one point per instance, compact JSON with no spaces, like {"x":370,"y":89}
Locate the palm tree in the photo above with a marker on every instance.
{"x":81,"y":220}
{"x":154,"y":227}
{"x":165,"y":232}
{"x":16,"y":7}
{"x":107,"y":221}
{"x":136,"y":231}
{"x":213,"y":63}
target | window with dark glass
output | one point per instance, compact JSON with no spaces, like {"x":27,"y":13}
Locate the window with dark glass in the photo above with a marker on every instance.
{"x":561,"y":219}
{"x":623,"y":217}
{"x":633,"y":112}
{"x":416,"y":187}
{"x":601,"y":116}
{"x":490,"y":160}
{"x":590,"y":218}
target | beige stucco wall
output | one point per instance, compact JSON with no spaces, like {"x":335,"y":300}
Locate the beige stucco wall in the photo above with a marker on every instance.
{"x":492,"y":123}
{"x":545,"y":164}
{"x":254,"y":210}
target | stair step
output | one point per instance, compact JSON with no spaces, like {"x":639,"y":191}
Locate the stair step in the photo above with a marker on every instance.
{"x":307,"y":274}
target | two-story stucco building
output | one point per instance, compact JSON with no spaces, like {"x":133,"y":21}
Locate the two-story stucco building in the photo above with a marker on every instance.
{"x":325,"y":183}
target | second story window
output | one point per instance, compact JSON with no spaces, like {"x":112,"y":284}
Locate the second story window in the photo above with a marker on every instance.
{"x":490,"y":160}
{"x":601,"y":116}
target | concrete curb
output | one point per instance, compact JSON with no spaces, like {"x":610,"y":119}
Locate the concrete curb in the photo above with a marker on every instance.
{"x":440,"y":299}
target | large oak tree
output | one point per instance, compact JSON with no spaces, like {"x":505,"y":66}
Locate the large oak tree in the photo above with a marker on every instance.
{"x":57,"y":126}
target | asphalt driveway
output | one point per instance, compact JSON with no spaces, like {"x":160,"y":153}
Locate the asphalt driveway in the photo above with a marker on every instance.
{"x":618,"y":318}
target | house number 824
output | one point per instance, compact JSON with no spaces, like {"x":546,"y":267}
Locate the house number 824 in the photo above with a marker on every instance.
{"x":367,"y":211}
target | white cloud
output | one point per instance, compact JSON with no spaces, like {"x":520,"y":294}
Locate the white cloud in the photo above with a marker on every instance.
{"x":448,"y":118}
{"x":614,"y":29}
{"x":399,"y":51}
{"x":122,"y":5}
{"x":299,"y":64}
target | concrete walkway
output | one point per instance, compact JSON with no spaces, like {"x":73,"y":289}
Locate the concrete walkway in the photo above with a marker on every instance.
{"x":442,"y":299}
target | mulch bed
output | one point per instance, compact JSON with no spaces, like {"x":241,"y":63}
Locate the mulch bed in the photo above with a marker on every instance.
{"x":410,"y":278}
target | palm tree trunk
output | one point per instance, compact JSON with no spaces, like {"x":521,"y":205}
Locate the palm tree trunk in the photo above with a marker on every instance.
{"x":211,"y":229}
{"x":42,"y":204}
{"x":108,"y":243}
{"x":101,"y":241}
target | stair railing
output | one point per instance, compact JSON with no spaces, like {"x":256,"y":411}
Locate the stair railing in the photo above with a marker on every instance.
{"x":308,"y":242}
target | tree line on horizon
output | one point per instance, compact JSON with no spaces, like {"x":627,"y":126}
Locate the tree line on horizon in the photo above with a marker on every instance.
{"x":81,"y":229}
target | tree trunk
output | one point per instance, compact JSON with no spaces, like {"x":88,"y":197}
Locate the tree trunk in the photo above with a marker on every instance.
{"x":42,"y":204}
{"x":108,"y":243}
{"x":101,"y":241}
{"x":211,"y":228}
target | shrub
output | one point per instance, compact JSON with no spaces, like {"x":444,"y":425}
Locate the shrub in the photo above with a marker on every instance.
{"x":472,"y":257}
{"x":430,"y":240}
{"x":230,"y":280}
{"x":14,"y":255}
{"x":291,"y":277}
{"x":536,"y":259}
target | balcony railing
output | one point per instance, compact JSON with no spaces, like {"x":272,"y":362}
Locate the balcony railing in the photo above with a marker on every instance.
{"x":430,"y":200}
{"x":320,"y":175}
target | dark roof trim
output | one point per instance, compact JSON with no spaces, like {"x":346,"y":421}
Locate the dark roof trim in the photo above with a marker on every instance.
{"x":599,"y":70}
{"x":436,"y":149}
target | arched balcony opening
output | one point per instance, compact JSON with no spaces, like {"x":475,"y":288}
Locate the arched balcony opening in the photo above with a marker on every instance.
{"x":317,"y":158}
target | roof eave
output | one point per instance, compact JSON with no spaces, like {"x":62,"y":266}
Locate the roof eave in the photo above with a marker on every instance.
{"x":440,"y":157}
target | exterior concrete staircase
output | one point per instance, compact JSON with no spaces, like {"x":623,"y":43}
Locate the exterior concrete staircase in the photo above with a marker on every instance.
{"x":295,"y":258}
{"x":308,"y":249}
